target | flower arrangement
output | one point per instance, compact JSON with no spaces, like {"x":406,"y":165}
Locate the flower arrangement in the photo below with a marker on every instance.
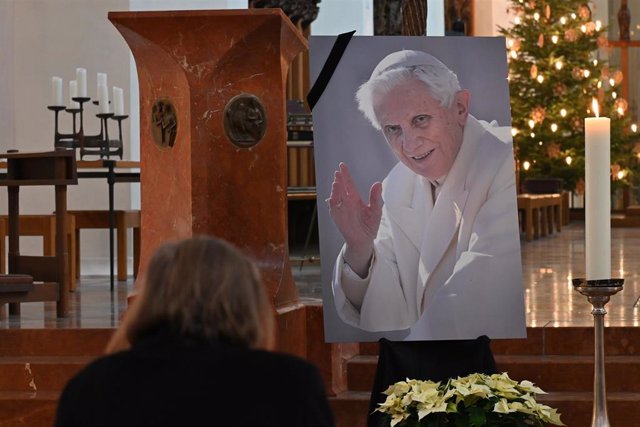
{"x":475,"y":400}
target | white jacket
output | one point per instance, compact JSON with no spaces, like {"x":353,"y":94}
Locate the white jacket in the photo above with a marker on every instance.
{"x":449,"y":271}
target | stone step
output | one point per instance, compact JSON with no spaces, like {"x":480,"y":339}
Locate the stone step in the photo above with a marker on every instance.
{"x":54,"y":342}
{"x":576,"y":408}
{"x":572,"y":373}
{"x":39,"y":373}
{"x":551,"y":373}
{"x":360,"y":373}
{"x":350,"y":408}
{"x":28,"y":409}
{"x":551,"y":340}
{"x":569,"y":340}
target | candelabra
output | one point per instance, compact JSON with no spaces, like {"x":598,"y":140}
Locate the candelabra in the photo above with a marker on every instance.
{"x":100,"y":144}
{"x":598,"y":293}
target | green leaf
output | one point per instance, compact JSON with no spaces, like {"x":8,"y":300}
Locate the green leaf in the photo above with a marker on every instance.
{"x":477,"y":416}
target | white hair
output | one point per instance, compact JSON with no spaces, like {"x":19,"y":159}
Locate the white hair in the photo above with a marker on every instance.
{"x":440,"y":80}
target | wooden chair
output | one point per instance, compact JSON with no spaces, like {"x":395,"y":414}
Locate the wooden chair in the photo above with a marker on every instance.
{"x":99,"y":219}
{"x":49,"y":273}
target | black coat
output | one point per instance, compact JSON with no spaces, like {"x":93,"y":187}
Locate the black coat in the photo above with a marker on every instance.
{"x":165,"y":381}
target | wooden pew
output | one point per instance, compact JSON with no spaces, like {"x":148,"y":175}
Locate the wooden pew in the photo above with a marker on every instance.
{"x":541,"y":213}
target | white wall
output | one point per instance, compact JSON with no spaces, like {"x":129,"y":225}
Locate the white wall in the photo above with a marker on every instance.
{"x":489,"y":15}
{"x":7,"y":119}
{"x":340,"y":16}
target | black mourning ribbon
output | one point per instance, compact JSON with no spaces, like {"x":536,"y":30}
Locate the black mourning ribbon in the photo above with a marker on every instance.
{"x":329,"y":68}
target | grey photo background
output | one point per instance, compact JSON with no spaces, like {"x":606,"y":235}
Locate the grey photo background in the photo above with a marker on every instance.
{"x":342,"y":134}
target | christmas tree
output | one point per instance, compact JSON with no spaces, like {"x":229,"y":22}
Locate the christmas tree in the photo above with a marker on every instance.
{"x":554,"y":74}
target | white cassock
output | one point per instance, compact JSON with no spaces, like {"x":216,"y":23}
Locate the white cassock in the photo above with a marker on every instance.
{"x":450,"y":270}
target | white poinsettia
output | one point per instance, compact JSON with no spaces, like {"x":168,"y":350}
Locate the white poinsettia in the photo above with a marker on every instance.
{"x":477,"y":399}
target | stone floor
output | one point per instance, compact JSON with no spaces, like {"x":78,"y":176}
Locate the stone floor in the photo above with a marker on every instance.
{"x":549,"y":264}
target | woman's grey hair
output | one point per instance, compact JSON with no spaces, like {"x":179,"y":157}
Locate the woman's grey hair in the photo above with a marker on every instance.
{"x":440,"y":80}
{"x":205,"y":289}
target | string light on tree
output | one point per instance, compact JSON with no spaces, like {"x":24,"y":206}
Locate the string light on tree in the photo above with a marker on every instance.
{"x":558,"y":66}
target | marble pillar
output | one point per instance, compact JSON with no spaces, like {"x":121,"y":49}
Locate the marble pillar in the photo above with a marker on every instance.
{"x":213,"y":130}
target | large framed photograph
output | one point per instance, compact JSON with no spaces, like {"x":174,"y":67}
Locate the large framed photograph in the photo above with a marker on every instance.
{"x":415,"y":175}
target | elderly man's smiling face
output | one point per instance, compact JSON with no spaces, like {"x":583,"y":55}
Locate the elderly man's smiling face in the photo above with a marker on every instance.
{"x":423,"y":134}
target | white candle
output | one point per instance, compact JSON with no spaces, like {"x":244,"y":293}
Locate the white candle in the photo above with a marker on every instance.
{"x":102,"y":80}
{"x":81,"y":78}
{"x":56,"y":91}
{"x":118,"y":101}
{"x":598,"y":196}
{"x":103,"y":99}
{"x":73,"y":93}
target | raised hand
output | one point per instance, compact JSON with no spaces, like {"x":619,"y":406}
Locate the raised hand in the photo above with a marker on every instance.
{"x":358,"y":222}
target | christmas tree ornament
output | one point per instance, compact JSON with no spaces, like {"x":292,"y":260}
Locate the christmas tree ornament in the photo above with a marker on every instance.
{"x":533,"y":71}
{"x":571,"y":35}
{"x":538,"y":114}
{"x":618,"y":76}
{"x":584,"y":12}
{"x":553,"y":150}
{"x":576,"y":73}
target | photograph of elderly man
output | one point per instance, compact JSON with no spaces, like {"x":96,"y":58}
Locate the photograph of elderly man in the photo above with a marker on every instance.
{"x":434,"y":248}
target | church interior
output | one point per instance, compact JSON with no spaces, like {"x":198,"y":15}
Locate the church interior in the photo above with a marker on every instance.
{"x":86,"y":198}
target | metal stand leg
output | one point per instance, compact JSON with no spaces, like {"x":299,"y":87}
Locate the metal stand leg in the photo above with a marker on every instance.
{"x":309,"y":231}
{"x":112,"y":223}
{"x":598,"y":293}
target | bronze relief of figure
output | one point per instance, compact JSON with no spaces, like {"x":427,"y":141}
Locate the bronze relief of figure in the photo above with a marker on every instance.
{"x":245,"y":120}
{"x":164,"y":123}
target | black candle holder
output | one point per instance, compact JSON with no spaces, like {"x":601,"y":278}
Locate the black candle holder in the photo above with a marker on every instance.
{"x":88,"y":145}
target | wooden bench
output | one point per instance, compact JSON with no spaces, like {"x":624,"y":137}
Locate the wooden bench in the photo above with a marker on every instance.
{"x":99,"y":219}
{"x":540,"y":212}
{"x":43,"y":226}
